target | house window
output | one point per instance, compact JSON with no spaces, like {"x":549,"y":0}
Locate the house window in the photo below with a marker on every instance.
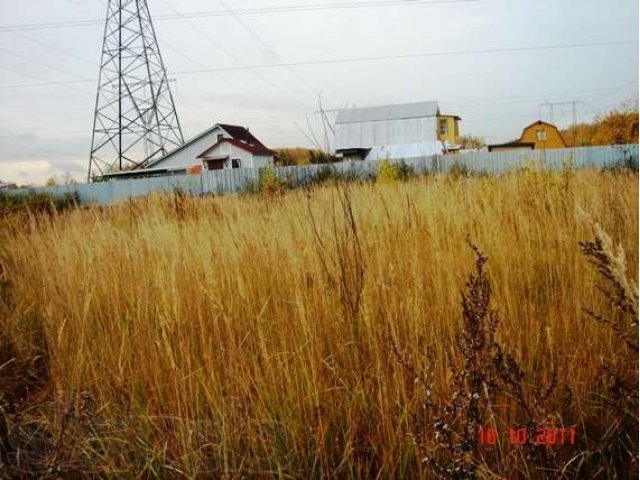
{"x":235,"y":163}
{"x":541,"y":135}
{"x":220,"y":137}
{"x":215,"y":164}
{"x":444,"y":128}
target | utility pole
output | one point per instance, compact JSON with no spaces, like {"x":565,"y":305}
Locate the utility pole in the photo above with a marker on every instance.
{"x":135,"y":120}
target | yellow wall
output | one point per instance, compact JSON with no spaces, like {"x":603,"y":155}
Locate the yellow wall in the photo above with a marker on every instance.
{"x":450,"y":125}
{"x":544,"y":135}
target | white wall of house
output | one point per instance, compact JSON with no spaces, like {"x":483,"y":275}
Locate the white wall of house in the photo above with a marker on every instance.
{"x":247,"y":159}
{"x":260,"y":161}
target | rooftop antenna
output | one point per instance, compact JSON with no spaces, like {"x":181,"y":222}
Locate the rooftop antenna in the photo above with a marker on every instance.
{"x":135,"y":120}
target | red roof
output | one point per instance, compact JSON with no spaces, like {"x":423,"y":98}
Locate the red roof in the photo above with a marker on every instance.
{"x":243,"y":139}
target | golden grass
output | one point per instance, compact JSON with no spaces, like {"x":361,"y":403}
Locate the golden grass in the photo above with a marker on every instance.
{"x":212,"y":336}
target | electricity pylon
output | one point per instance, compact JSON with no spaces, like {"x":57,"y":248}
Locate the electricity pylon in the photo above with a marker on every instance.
{"x":135,"y":120}
{"x":573,"y":104}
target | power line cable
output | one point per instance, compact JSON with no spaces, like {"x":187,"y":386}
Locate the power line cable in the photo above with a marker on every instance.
{"x":377,"y":58}
{"x":252,"y":120}
{"x":247,"y":11}
{"x":235,"y":57}
{"x":362,"y":59}
{"x":269,"y":49}
{"x":190,"y":59}
{"x":52,"y":47}
{"x":611,"y":92}
{"x":39,"y":62}
{"x":65,"y":84}
{"x":235,"y":85}
{"x":529,"y":98}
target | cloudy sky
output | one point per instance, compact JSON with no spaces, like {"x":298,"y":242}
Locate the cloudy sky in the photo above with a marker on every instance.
{"x":493,"y":62}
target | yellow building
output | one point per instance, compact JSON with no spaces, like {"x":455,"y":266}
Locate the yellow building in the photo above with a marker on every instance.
{"x":448,"y":129}
{"x":543,"y":135}
{"x":537,"y":136}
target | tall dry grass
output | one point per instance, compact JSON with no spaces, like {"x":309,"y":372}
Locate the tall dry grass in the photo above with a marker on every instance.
{"x":291,"y":336}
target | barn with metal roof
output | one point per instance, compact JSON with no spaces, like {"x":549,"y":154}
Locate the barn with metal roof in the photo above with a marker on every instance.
{"x":390,"y":130}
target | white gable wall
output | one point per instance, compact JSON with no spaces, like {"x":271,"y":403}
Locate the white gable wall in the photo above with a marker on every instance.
{"x":247,"y":159}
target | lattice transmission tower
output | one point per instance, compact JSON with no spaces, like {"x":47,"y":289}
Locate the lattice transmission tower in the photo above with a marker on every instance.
{"x":135,"y":120}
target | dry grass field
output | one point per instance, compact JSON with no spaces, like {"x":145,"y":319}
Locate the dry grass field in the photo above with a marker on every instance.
{"x":345,"y":331}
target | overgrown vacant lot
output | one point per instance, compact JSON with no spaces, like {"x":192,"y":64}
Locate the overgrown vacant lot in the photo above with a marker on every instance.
{"x":321,"y":333}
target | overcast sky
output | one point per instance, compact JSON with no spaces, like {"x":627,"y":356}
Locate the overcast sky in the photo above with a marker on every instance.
{"x":45,"y":130}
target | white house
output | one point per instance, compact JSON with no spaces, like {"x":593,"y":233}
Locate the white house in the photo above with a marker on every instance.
{"x":389,"y":131}
{"x":222,"y":146}
{"x":234,"y":153}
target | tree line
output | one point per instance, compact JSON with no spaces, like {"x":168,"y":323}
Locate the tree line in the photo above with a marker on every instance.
{"x":616,"y":127}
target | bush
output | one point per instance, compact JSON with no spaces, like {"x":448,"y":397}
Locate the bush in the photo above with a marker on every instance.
{"x":37,"y":203}
{"x":327,"y":173}
{"x":390,"y":172}
{"x":269,"y":183}
{"x":629,"y":164}
{"x":460,"y":169}
{"x":406,"y":171}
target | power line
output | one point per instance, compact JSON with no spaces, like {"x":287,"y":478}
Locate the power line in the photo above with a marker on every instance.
{"x":418,"y":55}
{"x":190,"y":58}
{"x":528,"y":98}
{"x":260,"y":40}
{"x":247,"y":11}
{"x":65,"y":84}
{"x":244,"y":65}
{"x":573,"y":104}
{"x":38,"y":62}
{"x":371,"y":59}
{"x":610,"y":93}
{"x":202,"y":65}
{"x":271,"y":118}
{"x":44,"y":84}
{"x":166,"y":44}
{"x":236,"y":85}
{"x":552,"y":105}
{"x":51,"y":47}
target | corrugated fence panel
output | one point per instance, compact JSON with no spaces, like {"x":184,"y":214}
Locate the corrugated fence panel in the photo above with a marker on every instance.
{"x":191,"y":184}
{"x":241,"y":180}
{"x":94,"y":193}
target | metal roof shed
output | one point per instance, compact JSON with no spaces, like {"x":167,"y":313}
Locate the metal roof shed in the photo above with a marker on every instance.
{"x":365,"y":128}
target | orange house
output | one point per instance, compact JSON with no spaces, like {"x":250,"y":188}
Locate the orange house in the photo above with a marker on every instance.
{"x":537,"y":136}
